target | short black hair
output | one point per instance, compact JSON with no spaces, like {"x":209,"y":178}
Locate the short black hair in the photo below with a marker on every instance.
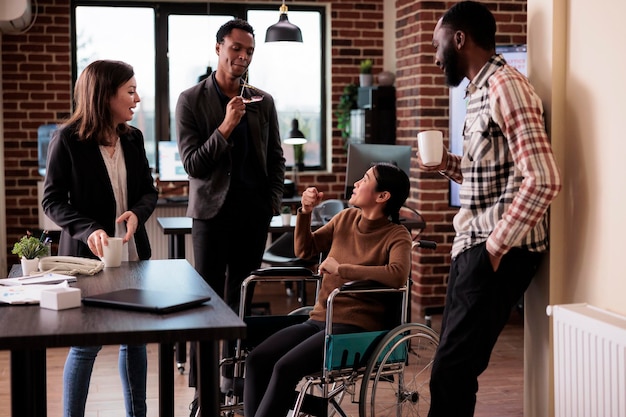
{"x":475,"y":20}
{"x":228,"y":27}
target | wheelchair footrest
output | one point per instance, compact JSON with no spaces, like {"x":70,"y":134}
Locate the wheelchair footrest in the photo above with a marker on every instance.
{"x":315,"y":406}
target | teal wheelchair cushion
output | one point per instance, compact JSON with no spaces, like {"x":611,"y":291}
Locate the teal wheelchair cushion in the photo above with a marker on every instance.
{"x":353,"y":350}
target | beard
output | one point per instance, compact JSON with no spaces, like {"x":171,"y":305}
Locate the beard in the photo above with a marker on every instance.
{"x":451,"y":64}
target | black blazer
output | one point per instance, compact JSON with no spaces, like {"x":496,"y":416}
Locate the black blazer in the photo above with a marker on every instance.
{"x":78,"y":195}
{"x":206,"y":154}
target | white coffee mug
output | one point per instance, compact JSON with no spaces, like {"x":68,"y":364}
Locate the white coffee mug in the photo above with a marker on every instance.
{"x":430,"y":147}
{"x":112,"y":253}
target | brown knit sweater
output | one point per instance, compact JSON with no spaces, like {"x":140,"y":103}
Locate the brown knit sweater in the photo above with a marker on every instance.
{"x":376,"y":250}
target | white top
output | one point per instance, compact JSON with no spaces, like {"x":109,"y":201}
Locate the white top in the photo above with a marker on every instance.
{"x":116,"y":167}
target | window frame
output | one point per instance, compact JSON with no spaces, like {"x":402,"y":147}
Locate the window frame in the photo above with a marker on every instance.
{"x":162,"y":11}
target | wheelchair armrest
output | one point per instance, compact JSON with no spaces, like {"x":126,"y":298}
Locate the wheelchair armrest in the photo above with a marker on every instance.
{"x":283,"y":271}
{"x":363,"y":285}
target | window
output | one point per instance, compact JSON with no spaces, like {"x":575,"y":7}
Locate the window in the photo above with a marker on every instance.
{"x":171,"y":45}
{"x":134,"y":45}
{"x":292,"y":73}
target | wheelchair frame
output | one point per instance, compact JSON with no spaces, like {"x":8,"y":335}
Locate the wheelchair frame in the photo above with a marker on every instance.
{"x":390,"y":371}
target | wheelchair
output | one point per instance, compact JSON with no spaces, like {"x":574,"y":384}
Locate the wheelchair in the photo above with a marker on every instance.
{"x":366,"y":374}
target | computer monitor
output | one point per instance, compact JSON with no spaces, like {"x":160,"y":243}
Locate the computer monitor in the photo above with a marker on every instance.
{"x":361,"y":156}
{"x":170,"y":166}
{"x":44,"y":136}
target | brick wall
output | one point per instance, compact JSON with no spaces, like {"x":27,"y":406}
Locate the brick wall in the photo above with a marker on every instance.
{"x":423,"y":104}
{"x":36,"y":87}
{"x":37,"y":81}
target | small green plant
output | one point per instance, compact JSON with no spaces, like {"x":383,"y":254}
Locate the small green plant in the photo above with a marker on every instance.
{"x":30,"y":247}
{"x":298,"y":154}
{"x":365,"y":66}
{"x":347,"y":102}
{"x":285,"y":210}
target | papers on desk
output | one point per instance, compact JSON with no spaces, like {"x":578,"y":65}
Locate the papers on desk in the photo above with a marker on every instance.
{"x":46,"y":278}
{"x":26,"y":294}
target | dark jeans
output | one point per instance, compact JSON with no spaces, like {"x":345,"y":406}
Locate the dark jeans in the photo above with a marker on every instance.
{"x":478,"y":305}
{"x":274,"y":368}
{"x":226,"y":249}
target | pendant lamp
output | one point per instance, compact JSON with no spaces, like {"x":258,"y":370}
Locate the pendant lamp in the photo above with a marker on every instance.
{"x":297,"y":139}
{"x":283,"y":31}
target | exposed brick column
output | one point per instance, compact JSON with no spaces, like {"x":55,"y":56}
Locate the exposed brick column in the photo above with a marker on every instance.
{"x":36,"y":84}
{"x":423,"y":103}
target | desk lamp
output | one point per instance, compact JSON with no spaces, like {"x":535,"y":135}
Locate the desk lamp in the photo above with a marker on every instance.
{"x":297,"y":139}
{"x":283,"y":31}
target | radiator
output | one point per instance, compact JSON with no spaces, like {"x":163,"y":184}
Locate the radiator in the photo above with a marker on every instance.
{"x":589,"y":361}
{"x":158,"y":241}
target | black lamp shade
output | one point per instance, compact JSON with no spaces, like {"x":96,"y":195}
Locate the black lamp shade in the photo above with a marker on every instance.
{"x":283,"y":31}
{"x":296,"y":137}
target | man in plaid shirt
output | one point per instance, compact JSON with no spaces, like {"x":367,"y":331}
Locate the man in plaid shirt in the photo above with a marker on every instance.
{"x":508,"y":178}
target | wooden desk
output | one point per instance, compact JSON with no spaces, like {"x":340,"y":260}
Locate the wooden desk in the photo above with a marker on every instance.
{"x":28,"y":330}
{"x":177,"y":227}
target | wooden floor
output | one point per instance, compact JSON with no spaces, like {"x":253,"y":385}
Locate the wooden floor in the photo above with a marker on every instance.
{"x":500,"y":393}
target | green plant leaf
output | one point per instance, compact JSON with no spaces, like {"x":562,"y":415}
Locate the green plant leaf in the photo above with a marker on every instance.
{"x":366,"y":66}
{"x":29,"y":247}
{"x":347,"y":102}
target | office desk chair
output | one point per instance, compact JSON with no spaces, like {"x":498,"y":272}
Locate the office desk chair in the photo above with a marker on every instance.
{"x":281,"y":252}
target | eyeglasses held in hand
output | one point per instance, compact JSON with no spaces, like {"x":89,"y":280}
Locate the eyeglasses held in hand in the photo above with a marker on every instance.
{"x":251,"y":99}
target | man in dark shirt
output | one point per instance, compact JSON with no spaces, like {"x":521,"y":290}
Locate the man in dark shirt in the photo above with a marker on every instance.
{"x":230,"y":146}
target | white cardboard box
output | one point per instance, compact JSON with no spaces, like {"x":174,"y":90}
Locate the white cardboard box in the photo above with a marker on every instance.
{"x":60,"y":298}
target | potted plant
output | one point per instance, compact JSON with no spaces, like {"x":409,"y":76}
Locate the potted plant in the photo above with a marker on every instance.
{"x":285,"y":214}
{"x":30,"y":249}
{"x":365,"y":73}
{"x":347,"y":102}
{"x":298,"y":156}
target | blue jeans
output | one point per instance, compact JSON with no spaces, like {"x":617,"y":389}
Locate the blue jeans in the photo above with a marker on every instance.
{"x":133,"y":368}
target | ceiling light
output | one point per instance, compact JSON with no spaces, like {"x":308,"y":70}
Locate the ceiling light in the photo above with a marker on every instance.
{"x":283,"y":31}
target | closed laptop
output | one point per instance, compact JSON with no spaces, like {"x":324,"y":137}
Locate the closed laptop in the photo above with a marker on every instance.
{"x":153,"y":301}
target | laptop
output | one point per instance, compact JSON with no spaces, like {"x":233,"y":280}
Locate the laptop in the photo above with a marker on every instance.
{"x":153,"y":301}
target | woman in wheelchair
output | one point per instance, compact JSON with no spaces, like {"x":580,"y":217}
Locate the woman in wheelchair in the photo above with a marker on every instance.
{"x":365,"y":242}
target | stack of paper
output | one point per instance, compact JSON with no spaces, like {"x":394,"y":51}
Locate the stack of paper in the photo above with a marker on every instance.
{"x":25,"y":294}
{"x":46,"y":278}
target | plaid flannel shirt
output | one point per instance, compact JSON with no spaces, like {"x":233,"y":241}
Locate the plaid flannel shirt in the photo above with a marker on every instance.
{"x":508,"y":174}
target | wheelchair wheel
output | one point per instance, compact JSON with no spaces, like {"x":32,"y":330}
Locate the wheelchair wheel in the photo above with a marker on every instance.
{"x":396,"y":380}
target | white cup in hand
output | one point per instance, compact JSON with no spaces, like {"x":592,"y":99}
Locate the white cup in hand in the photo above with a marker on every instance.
{"x":112,"y":253}
{"x":430,"y":147}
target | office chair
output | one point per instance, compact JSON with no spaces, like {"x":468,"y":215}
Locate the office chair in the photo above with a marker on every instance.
{"x":281,"y":252}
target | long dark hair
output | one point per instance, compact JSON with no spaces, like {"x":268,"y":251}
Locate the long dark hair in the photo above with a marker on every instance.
{"x":392,"y":179}
{"x":96,"y":85}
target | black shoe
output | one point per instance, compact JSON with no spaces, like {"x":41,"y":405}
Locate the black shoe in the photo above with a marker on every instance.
{"x":194,"y":408}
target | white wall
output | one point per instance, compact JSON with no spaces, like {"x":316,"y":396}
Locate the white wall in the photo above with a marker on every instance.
{"x":12,"y":9}
{"x":595,"y":149}
{"x":577,"y":66}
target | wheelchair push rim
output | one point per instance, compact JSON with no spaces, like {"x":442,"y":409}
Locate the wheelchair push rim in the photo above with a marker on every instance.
{"x":396,"y":380}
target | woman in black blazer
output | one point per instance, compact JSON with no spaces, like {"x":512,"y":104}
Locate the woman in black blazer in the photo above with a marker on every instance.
{"x":98,"y":185}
